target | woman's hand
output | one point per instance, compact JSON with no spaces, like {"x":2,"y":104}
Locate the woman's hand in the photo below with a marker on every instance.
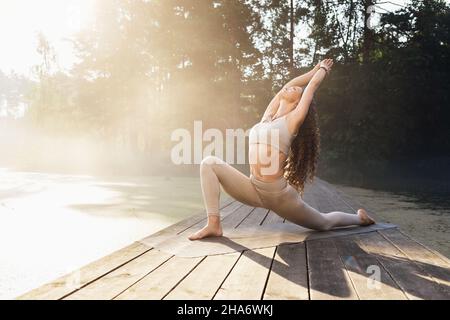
{"x":319,"y":76}
{"x":317,"y":66}
{"x":327,"y":64}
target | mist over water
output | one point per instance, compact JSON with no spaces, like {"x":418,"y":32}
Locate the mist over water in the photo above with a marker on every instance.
{"x":51,"y":224}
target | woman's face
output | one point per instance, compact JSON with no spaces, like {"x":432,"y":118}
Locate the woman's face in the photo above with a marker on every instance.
{"x":291,"y":94}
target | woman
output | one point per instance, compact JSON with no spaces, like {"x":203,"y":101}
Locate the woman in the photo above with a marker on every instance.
{"x":283,"y":151}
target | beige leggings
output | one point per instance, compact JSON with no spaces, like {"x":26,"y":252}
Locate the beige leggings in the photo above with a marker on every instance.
{"x":278,"y":196}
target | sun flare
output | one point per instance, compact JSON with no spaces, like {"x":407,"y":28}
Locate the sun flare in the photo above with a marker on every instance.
{"x":21,"y":20}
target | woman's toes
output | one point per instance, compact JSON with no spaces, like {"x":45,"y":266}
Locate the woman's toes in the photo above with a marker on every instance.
{"x":365,"y":218}
{"x":194,"y":236}
{"x":206,"y":232}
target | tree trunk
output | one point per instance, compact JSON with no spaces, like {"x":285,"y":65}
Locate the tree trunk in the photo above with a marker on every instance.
{"x":317,"y":8}
{"x":368,"y":34}
{"x":291,"y":40}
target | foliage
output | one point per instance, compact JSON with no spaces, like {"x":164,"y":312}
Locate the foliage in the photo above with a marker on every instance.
{"x":147,"y":67}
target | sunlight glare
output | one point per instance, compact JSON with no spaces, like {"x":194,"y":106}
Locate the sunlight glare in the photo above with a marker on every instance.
{"x":22,"y":20}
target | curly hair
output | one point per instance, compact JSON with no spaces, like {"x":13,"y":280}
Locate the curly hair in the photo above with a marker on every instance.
{"x":303,"y":155}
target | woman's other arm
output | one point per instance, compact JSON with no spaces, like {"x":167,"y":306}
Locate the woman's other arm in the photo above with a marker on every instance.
{"x":272,"y":108}
{"x":302,"y":80}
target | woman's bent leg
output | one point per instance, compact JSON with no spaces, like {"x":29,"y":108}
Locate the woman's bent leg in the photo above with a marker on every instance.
{"x":214,"y":173}
{"x":293,"y":208}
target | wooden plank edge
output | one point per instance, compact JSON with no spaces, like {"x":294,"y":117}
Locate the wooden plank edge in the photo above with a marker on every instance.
{"x":437,"y":253}
{"x":41,"y":292}
{"x":436,"y":281}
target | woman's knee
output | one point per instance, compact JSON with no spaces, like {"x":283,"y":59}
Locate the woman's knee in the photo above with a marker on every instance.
{"x":317,"y":220}
{"x":324,"y":226}
{"x":209,"y":160}
{"x":325,"y":223}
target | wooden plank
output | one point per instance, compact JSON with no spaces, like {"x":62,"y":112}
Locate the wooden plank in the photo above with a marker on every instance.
{"x":349,"y":201}
{"x":67,"y":284}
{"x":333,"y":202}
{"x":328,"y":277}
{"x":204,"y":281}
{"x":288,"y":278}
{"x":288,"y":222}
{"x":309,"y":195}
{"x":338,"y":201}
{"x":440,"y":255}
{"x":361,"y":268}
{"x":255,"y":218}
{"x":272,"y":217}
{"x":230,"y":209}
{"x":434,"y":265}
{"x":234,"y":219}
{"x":112,"y":284}
{"x":321,"y":199}
{"x":224,"y":213}
{"x":328,"y":202}
{"x":248,"y":277}
{"x":413,"y":249}
{"x":331,"y":193}
{"x":413,"y":280}
{"x":161,"y":281}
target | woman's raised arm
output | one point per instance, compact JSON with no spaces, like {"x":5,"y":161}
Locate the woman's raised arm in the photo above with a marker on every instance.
{"x":298,"y":115}
{"x":302,"y":80}
{"x":299,"y":81}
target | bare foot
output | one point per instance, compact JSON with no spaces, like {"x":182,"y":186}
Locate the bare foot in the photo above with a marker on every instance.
{"x":365,"y":218}
{"x":210,"y":230}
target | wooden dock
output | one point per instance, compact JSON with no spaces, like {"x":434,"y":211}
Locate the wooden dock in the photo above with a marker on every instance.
{"x":379,"y":264}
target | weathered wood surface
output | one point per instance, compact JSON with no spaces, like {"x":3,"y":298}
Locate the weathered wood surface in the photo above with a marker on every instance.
{"x":381,"y":264}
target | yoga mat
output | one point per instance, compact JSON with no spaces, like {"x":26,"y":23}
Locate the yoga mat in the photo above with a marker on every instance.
{"x":244,"y":238}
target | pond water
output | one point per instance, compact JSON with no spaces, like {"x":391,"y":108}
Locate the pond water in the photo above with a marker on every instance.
{"x":52,"y":224}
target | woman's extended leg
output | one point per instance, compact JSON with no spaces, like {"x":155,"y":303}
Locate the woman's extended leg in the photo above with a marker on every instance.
{"x":294,"y":209}
{"x":215,"y":172}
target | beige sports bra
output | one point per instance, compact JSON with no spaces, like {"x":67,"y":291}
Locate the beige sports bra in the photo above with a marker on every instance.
{"x":274,"y":133}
